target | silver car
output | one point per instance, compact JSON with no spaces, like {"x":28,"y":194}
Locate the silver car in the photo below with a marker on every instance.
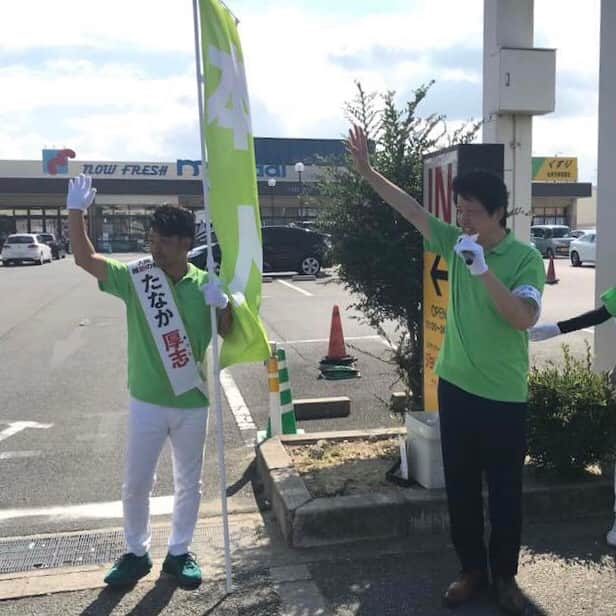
{"x":551,"y":240}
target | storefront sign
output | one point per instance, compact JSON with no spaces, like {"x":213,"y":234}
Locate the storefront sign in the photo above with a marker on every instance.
{"x":125,"y":169}
{"x":555,"y":169}
{"x":55,"y":162}
{"x":271,"y":171}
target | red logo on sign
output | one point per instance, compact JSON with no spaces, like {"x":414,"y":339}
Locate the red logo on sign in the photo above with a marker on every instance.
{"x":59,"y":160}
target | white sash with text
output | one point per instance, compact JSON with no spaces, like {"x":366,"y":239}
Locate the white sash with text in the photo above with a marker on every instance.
{"x":165,"y":323}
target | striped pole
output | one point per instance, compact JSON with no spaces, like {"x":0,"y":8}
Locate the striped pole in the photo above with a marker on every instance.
{"x":274,"y":425}
{"x":286,"y":399}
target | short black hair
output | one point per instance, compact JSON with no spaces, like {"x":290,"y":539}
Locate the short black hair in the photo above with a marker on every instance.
{"x":484,"y":186}
{"x":171,"y":220}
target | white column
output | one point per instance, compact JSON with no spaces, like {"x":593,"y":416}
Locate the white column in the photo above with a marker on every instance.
{"x":605,"y":336}
{"x":509,"y":23}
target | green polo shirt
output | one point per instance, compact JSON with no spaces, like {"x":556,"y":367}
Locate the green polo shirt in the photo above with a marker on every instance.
{"x":482,"y":353}
{"x":147,"y":378}
{"x":609,"y":300}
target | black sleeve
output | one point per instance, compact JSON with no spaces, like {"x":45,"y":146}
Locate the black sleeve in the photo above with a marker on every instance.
{"x":588,"y":319}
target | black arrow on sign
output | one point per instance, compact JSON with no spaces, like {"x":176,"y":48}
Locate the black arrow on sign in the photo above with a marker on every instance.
{"x":436,"y":274}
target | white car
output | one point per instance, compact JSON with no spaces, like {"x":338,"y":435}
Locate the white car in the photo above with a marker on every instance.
{"x":576,"y":233}
{"x":584,"y":249}
{"x":25,"y":247}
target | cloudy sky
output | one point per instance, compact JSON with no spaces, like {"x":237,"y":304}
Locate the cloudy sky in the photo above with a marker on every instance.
{"x":114,"y":80}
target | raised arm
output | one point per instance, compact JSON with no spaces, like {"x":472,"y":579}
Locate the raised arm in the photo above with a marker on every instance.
{"x":402,"y":202}
{"x":80,"y":196}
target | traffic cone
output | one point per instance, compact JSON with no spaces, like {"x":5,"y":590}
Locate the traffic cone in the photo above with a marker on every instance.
{"x":337,"y":364}
{"x":336,"y":352}
{"x":551,"y":276}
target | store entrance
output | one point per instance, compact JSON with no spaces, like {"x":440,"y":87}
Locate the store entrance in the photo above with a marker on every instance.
{"x":121,"y":228}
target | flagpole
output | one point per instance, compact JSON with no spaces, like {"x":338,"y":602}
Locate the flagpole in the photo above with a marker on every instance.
{"x":211,"y":274}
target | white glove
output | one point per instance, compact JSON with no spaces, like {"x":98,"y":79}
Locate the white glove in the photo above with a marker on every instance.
{"x":80,"y":193}
{"x":214,"y":295}
{"x":544,"y":332}
{"x":472,"y":254}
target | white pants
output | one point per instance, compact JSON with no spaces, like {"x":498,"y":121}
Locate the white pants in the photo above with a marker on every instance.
{"x":148,"y":428}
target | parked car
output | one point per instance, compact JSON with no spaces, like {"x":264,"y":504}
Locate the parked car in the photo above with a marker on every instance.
{"x":58,"y":250}
{"x":311,"y":225}
{"x":25,"y":247}
{"x":551,"y":240}
{"x":579,"y":232}
{"x":584,"y":249}
{"x":285,"y":248}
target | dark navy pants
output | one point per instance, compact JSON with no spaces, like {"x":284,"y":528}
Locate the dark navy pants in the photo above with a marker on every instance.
{"x":481,"y":436}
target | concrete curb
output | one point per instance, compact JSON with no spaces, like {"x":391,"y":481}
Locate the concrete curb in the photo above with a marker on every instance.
{"x":322,"y":408}
{"x":67,"y":579}
{"x":306,"y":521}
{"x":303,"y":277}
{"x":35,"y":583}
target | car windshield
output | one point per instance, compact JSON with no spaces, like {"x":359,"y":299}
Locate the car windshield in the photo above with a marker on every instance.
{"x":560,"y":232}
{"x":46,"y":237}
{"x":20,"y":239}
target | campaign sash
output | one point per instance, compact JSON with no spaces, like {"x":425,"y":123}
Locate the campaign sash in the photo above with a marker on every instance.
{"x":166,"y":325}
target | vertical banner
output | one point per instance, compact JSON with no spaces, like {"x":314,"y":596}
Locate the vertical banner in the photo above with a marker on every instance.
{"x":232,"y":182}
{"x":439,"y":171}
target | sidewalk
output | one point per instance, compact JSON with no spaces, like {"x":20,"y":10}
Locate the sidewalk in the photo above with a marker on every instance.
{"x":266,"y":580}
{"x":566,"y":570}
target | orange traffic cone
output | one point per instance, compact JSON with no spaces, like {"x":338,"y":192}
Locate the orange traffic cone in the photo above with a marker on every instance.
{"x":336,"y":353}
{"x":551,"y":277}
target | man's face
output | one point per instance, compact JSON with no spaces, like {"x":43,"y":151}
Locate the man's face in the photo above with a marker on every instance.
{"x":168,"y":251}
{"x":473,"y":218}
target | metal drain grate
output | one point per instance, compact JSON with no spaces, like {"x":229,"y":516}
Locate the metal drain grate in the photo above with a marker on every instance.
{"x":92,"y":548}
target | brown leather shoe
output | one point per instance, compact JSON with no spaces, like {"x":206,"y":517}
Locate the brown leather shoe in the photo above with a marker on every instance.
{"x":465,"y":587}
{"x":509,"y":597}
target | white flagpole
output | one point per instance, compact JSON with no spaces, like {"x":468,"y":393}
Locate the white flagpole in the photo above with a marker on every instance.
{"x":211,"y":271}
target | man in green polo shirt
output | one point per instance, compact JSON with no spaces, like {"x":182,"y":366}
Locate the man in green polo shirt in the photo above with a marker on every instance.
{"x":495,"y":284}
{"x":156,"y":412}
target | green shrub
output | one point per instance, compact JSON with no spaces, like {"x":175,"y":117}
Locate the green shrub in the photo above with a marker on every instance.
{"x":572,"y":416}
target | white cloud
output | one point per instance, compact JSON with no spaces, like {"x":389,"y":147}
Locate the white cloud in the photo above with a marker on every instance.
{"x":118,"y":107}
{"x":125,"y":115}
{"x":568,"y":136}
{"x":137,"y":24}
{"x":85,"y":84}
{"x":295,"y":63}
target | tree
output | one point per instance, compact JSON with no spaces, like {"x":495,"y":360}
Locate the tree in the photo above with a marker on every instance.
{"x":380,"y":254}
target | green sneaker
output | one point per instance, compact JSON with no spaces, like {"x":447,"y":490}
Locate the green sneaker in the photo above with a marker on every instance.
{"x":128,"y":569}
{"x":184,"y":568}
